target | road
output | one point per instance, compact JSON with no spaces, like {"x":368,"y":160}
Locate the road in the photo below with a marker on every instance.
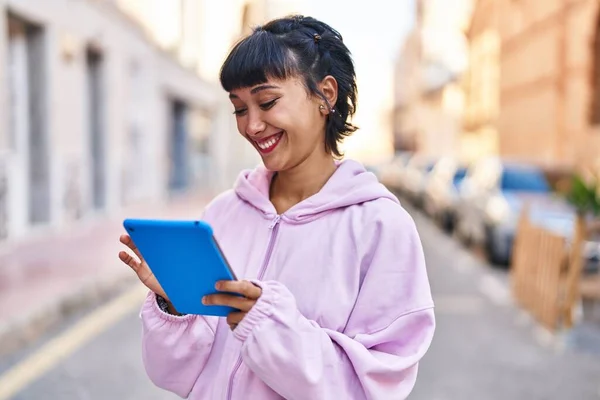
{"x":484,"y":347}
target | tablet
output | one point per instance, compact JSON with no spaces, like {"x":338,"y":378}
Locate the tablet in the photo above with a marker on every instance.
{"x":186,"y":260}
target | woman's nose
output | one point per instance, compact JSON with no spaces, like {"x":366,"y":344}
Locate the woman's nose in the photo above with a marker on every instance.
{"x":255,"y":124}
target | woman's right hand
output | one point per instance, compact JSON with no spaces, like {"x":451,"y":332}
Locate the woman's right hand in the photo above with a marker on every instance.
{"x":140,"y":267}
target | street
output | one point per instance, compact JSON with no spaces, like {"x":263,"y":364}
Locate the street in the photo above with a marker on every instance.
{"x":484,"y":347}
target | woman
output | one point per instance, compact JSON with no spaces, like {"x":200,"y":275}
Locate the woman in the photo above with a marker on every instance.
{"x":338,"y":305}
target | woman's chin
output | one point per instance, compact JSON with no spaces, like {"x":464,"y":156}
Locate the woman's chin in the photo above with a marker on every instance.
{"x":275,"y":160}
{"x":273,"y":164}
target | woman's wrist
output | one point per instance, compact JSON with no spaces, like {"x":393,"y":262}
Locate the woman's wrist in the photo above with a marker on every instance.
{"x":166,"y":306}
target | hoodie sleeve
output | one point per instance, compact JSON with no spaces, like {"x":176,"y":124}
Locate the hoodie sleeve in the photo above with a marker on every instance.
{"x":175,"y":348}
{"x":377,"y":355}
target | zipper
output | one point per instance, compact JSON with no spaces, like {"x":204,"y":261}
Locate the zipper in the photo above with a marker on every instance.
{"x":274,"y":227}
{"x":237,"y":366}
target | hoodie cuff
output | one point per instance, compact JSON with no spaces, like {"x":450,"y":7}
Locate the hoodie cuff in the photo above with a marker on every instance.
{"x":151,"y":305}
{"x":261,"y":311}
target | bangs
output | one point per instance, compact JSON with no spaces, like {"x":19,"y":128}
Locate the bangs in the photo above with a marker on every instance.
{"x":254,"y":60}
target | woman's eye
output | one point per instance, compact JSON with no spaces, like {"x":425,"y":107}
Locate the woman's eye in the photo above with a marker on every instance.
{"x":268,"y":105}
{"x":263,"y":106}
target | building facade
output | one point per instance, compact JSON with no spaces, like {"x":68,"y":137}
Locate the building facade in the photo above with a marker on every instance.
{"x":429,"y":95}
{"x":407,"y":94}
{"x":548,"y":86}
{"x":107,"y":103}
{"x":482,"y":83}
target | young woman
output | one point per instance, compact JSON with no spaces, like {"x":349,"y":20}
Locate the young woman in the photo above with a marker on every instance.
{"x":337,"y":303}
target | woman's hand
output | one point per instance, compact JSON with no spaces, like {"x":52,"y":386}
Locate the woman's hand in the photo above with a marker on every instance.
{"x":248,"y":290}
{"x":140,"y":267}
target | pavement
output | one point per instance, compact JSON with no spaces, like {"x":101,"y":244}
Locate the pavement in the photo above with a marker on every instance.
{"x":46,"y":279}
{"x":484,"y":348}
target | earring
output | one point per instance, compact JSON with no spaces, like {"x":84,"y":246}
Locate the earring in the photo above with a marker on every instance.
{"x":321,"y":107}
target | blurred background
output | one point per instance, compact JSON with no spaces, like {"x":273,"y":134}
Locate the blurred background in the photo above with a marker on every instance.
{"x":483,"y":116}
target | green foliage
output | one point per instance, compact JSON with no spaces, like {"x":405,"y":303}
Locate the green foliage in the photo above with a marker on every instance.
{"x":584,"y":195}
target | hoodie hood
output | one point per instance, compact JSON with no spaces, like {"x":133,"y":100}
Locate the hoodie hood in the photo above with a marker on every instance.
{"x":350,"y":184}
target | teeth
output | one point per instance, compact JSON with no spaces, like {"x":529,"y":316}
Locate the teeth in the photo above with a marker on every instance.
{"x":266,"y":144}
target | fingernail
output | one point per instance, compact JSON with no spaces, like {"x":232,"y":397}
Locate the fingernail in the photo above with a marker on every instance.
{"x":218,"y":285}
{"x":204,"y":300}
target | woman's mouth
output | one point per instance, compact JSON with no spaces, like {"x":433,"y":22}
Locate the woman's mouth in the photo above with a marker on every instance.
{"x":268,"y":144}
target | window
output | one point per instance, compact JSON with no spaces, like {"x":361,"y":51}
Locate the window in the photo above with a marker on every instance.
{"x":459,"y":175}
{"x":483,"y":100}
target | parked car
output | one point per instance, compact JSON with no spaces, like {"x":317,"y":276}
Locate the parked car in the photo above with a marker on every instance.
{"x":491,"y":198}
{"x":591,"y":252}
{"x":441,"y":192}
{"x":563,"y":225}
{"x":414,"y":177}
{"x":391,"y":173}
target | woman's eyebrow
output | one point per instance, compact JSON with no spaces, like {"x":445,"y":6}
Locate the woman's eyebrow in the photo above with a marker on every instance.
{"x":256,"y":90}
{"x":263,"y":87}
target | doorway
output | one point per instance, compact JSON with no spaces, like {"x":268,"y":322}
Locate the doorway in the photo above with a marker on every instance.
{"x":28,"y":136}
{"x":97,"y":139}
{"x":178,"y":177}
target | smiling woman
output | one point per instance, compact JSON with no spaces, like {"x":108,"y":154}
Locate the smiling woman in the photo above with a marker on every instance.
{"x":334,"y":299}
{"x":306,"y":52}
{"x":283,"y":124}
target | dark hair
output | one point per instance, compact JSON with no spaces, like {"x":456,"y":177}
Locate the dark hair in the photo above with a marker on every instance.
{"x":298,"y":46}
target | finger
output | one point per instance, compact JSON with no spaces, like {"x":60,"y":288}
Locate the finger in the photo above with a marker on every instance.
{"x":221,"y":299}
{"x":234,"y":318}
{"x":245,"y":288}
{"x":146,"y":279}
{"x":129,"y":260}
{"x":127,"y":241}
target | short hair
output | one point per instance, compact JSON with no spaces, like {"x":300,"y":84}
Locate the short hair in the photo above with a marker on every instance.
{"x":298,"y":46}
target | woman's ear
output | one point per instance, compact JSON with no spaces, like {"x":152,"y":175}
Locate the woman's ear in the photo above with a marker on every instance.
{"x":329,"y":87}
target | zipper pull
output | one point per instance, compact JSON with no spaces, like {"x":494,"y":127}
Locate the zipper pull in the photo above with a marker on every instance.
{"x":275,"y":221}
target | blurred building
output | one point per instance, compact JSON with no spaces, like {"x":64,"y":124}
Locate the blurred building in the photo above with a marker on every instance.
{"x":105,"y":103}
{"x":407,"y":94}
{"x":540,"y":63}
{"x":482,"y":82}
{"x":429,"y":97}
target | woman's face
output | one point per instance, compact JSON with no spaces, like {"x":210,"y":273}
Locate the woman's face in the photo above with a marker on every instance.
{"x":282,"y":121}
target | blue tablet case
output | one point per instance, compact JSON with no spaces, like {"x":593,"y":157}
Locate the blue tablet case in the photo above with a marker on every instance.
{"x":186,"y":260}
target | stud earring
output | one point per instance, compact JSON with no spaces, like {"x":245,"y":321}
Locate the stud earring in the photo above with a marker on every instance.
{"x":321,"y":107}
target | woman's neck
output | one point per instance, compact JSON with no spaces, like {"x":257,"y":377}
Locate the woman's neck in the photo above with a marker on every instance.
{"x":292,"y":186}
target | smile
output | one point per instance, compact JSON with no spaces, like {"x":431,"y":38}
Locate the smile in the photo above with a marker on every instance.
{"x":267,"y":145}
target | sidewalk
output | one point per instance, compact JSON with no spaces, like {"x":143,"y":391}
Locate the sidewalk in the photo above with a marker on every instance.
{"x":44,"y":280}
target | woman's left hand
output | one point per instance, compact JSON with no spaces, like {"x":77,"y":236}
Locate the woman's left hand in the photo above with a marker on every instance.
{"x":250,"y":291}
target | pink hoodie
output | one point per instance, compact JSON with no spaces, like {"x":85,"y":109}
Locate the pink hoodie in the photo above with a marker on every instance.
{"x":346,"y":309}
